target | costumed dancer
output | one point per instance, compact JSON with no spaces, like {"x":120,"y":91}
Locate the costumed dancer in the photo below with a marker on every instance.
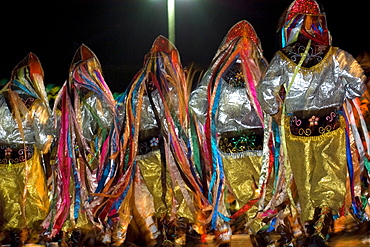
{"x":234,"y":130}
{"x":308,"y":89}
{"x":26,"y":133}
{"x":155,"y":192}
{"x":84,"y":110}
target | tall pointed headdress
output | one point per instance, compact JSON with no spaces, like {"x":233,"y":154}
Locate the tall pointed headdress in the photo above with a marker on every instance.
{"x":307,"y":7}
{"x":307,"y":18}
{"x":242,"y":29}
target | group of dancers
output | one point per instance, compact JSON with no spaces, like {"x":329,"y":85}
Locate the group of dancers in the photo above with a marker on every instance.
{"x":279,"y":150}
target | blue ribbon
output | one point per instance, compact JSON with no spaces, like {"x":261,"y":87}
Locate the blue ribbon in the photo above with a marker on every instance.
{"x":24,"y":88}
{"x":276,"y":130}
{"x":354,"y":207}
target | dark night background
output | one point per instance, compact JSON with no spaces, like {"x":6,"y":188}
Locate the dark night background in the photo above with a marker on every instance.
{"x":121,"y":32}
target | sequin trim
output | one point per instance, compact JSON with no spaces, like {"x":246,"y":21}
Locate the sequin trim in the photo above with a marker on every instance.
{"x":248,"y":140}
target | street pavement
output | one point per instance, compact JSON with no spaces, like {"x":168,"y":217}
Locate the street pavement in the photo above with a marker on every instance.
{"x":344,"y":240}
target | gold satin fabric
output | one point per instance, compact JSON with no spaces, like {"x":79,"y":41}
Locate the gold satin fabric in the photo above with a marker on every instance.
{"x":241,"y":172}
{"x":151,"y":168}
{"x":82,"y":222}
{"x":319,"y":168}
{"x":12,"y":183}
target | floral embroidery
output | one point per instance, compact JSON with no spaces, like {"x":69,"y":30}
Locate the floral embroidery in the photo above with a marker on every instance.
{"x":234,"y":77}
{"x":8,"y":151}
{"x":239,"y":76}
{"x":148,"y":145}
{"x":249,"y":140}
{"x":151,"y":86}
{"x":314,"y":125}
{"x":154,"y":142}
{"x":313,"y":120}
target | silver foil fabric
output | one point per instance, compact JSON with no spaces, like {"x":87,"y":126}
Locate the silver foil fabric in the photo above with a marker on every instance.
{"x":235,"y":112}
{"x":325,"y":85}
{"x":37,"y":124}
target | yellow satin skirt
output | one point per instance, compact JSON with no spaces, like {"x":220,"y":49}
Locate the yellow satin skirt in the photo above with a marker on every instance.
{"x":23,"y":193}
{"x":319,"y":168}
{"x":166,"y":201}
{"x":242,"y":173}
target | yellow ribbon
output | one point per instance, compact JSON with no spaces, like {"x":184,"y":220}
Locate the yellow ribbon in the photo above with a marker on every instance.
{"x":288,"y":170}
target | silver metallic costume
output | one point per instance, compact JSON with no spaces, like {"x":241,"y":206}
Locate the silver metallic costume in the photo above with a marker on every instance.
{"x":231,"y":123}
{"x":310,"y":89}
{"x":26,"y":133}
{"x":326,"y":85}
{"x":235,"y":113}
